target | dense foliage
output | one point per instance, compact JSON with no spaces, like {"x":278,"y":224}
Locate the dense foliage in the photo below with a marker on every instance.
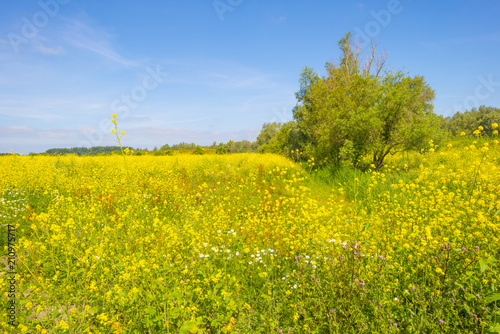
{"x":468,"y":121}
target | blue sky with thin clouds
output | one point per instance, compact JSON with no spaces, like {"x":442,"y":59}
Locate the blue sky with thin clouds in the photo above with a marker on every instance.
{"x":204,"y":71}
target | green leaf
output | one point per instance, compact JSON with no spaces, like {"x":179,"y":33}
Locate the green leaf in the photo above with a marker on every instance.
{"x":279,"y":307}
{"x":187,"y":327}
{"x":497,"y":213}
{"x":55,"y":313}
{"x":175,"y":295}
{"x":470,"y":296}
{"x":174,"y":314}
{"x":150,"y":311}
{"x":265,"y":297}
{"x":231,"y":305}
{"x":494,"y":328}
{"x":483,"y":264}
{"x":492,"y":298}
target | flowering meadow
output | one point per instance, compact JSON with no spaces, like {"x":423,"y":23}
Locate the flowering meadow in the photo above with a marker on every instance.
{"x":253,"y":243}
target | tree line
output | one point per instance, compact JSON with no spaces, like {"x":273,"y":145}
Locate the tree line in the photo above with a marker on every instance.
{"x":95,"y":150}
{"x":229,"y":147}
{"x":470,"y":120}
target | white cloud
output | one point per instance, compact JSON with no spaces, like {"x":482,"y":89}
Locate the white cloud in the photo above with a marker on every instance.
{"x":30,"y":134}
{"x":81,"y":33}
{"x":55,"y":51}
{"x":15,"y":130}
{"x":278,"y":19}
{"x":462,"y":41}
{"x":220,"y":74}
{"x":19,"y":107}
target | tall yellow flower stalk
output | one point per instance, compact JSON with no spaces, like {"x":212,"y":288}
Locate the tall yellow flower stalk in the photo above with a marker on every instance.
{"x":119,"y":135}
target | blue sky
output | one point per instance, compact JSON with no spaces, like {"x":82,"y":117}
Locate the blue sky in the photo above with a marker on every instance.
{"x":203,"y":71}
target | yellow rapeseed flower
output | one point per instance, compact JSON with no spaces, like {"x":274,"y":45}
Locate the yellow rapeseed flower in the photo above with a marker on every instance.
{"x":63,"y":325}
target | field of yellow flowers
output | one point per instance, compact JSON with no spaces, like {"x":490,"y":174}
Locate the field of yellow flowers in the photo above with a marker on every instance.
{"x":251,"y":243}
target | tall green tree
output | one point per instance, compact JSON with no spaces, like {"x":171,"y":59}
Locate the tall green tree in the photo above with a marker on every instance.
{"x":359,"y":109}
{"x":268,"y":132}
{"x":404,"y":112}
{"x":288,"y":138}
